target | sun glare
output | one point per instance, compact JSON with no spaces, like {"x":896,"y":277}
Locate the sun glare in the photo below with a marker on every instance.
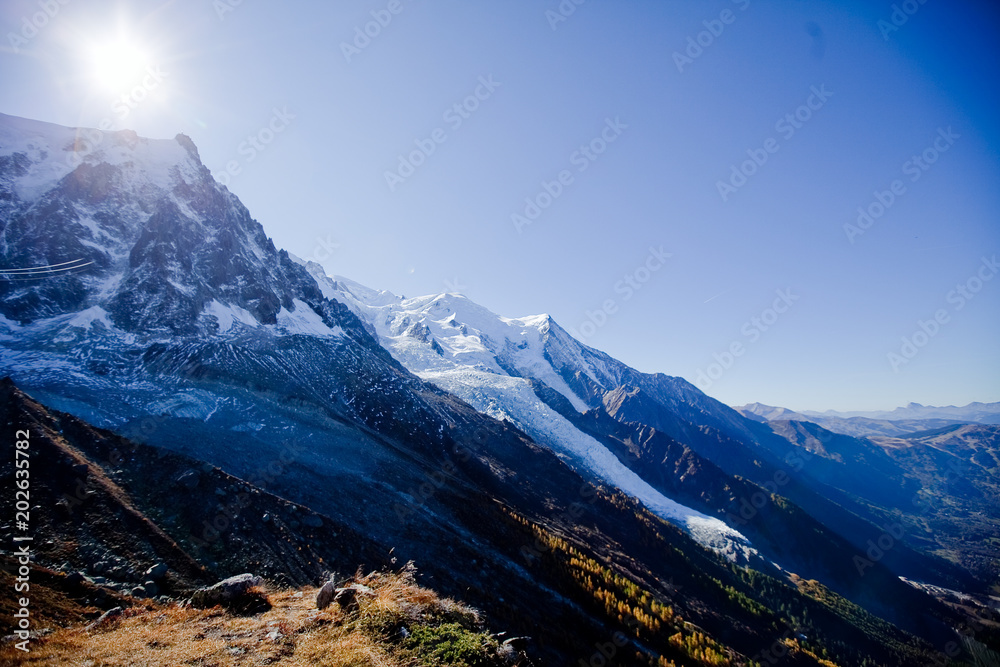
{"x":117,"y":65}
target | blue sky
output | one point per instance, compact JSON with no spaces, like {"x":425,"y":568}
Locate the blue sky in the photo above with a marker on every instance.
{"x":765,"y":296}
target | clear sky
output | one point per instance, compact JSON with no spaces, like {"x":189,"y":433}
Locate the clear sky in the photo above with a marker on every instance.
{"x":818,"y":106}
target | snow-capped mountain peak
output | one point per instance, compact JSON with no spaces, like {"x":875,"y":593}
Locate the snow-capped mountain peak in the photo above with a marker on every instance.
{"x":177,"y":274}
{"x":140,"y":230}
{"x":498,"y":365}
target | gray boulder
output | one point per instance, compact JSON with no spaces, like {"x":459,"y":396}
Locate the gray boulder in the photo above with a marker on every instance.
{"x":347,"y":597}
{"x":326,"y":595}
{"x":227,"y":592}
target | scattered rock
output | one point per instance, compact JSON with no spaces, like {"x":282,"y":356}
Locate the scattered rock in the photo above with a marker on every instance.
{"x":156,"y":572}
{"x":234,"y":593}
{"x":152,"y":590}
{"x":189,"y":479}
{"x":107,"y":617}
{"x":517,"y":643}
{"x":313,"y":521}
{"x":139,"y":592}
{"x":347,"y":597}
{"x":326,"y":595}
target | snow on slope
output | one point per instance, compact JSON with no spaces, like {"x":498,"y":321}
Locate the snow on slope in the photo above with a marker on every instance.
{"x":54,"y":151}
{"x":456,"y":344}
{"x":78,"y":194}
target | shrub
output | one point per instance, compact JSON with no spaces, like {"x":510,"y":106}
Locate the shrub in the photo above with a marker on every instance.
{"x":451,"y":644}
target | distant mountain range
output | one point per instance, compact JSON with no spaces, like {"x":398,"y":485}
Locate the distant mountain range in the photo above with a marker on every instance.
{"x":513,"y":463}
{"x":900,"y":421}
{"x":984,"y":413}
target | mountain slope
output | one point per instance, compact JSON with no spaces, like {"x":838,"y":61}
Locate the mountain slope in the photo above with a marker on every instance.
{"x":270,"y":535}
{"x":238,"y":358}
{"x":576,"y":400}
{"x":471,"y":353}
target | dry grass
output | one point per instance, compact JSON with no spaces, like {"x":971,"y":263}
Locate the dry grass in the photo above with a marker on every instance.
{"x":292,"y":633}
{"x":398,"y":599}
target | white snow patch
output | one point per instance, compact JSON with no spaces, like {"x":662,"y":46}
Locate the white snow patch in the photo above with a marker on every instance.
{"x":86,"y":318}
{"x":512,"y":398}
{"x":54,"y":151}
{"x":227,"y":315}
{"x":304,"y":320}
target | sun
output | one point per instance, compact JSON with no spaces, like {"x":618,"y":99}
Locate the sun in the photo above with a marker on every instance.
{"x":116,"y":66}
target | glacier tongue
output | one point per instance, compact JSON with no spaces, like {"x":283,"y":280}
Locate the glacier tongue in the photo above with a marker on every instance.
{"x":455,"y":344}
{"x":505,"y":397}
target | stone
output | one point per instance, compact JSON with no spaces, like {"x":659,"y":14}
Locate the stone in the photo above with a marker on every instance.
{"x":325,"y":595}
{"x":226,"y":592}
{"x":105,"y":618}
{"x":189,"y":479}
{"x":156,"y":572}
